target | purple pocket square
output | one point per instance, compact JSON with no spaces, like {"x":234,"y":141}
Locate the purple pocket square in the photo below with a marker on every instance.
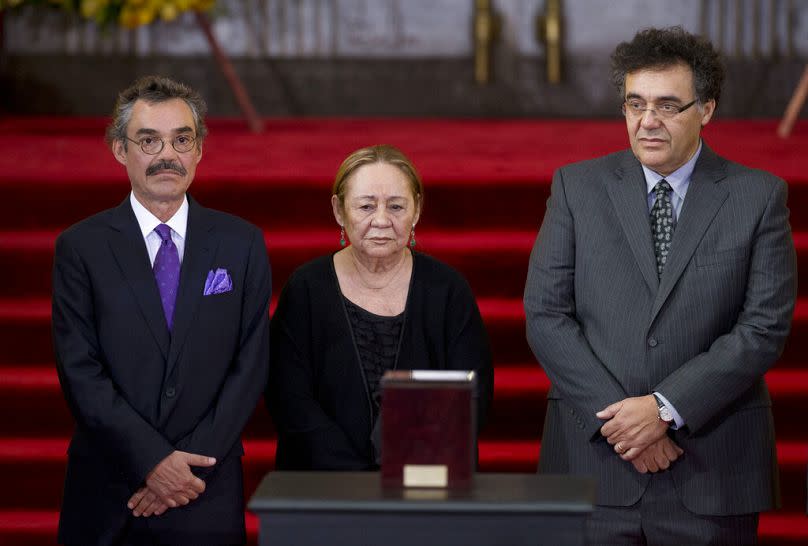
{"x":218,"y":282}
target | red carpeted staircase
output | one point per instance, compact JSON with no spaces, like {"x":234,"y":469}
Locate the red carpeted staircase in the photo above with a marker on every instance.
{"x":486,"y":187}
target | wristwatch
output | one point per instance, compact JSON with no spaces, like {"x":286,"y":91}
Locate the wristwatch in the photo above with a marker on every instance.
{"x":664,"y":412}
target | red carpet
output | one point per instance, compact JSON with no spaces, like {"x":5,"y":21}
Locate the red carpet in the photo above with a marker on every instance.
{"x":486,"y":187}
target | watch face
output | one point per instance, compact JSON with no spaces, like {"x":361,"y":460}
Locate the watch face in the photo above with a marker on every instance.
{"x":665,"y":414}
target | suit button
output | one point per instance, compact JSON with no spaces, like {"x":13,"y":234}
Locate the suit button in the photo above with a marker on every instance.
{"x":170,"y":392}
{"x":652,"y":342}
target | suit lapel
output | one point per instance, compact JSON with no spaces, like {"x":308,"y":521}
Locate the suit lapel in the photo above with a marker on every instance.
{"x":704,"y":197}
{"x":129,"y":249}
{"x":200,"y":249}
{"x":628,"y":193}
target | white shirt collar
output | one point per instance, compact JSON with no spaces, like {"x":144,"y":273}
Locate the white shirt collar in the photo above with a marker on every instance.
{"x":678,"y":179}
{"x":148,"y":221}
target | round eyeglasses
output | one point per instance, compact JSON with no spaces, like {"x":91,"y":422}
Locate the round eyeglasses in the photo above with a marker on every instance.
{"x":153,"y":145}
{"x":666,"y":110}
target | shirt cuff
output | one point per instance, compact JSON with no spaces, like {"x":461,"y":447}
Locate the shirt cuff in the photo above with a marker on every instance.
{"x":678,"y":422}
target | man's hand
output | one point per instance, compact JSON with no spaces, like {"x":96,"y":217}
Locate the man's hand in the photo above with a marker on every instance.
{"x":657,"y":456}
{"x":633,"y":424}
{"x":145,"y":502}
{"x":172,"y":480}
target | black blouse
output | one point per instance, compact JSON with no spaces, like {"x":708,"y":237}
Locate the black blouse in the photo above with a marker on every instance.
{"x":377,"y":339}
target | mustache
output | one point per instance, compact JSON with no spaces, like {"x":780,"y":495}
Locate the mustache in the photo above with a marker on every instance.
{"x":652,"y":134}
{"x":166,"y":165}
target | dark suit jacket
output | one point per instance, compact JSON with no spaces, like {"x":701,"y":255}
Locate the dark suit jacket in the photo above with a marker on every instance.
{"x":138,"y":393}
{"x":317,"y":392}
{"x":604,"y":327}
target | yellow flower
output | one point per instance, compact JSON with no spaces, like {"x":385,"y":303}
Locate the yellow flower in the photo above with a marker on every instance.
{"x":129,"y":13}
{"x":93,"y":9}
{"x":127,"y":18}
{"x":146,"y":16}
{"x":204,"y":5}
{"x":135,"y":16}
{"x":169,"y":12}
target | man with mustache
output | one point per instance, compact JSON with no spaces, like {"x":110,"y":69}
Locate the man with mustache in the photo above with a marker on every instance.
{"x":161,"y":334}
{"x":661,"y":288}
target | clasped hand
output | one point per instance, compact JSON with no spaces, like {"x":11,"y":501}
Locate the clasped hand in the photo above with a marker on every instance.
{"x":638,"y":435}
{"x":170,"y":484}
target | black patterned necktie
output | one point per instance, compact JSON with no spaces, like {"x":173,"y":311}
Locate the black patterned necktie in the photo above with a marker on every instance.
{"x":662,"y":223}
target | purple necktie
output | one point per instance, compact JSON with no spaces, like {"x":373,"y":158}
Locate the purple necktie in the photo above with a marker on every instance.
{"x":167,"y":272}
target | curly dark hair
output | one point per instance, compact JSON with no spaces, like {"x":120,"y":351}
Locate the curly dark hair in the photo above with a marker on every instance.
{"x":154,"y":89}
{"x":665,"y":47}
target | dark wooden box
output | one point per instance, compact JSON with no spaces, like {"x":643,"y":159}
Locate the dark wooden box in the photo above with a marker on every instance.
{"x":428,"y":428}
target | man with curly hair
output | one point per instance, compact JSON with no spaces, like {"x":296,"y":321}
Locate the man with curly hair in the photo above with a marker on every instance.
{"x":661,"y":288}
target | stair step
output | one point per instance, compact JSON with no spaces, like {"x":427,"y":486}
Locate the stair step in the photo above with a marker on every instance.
{"x":42,"y":241}
{"x":38,"y":528}
{"x":26,"y":337}
{"x":453,"y":156}
{"x":257,"y":202}
{"x":33,"y":395}
{"x":527,"y":380}
{"x":789,"y":454}
{"x":42,"y":460}
{"x":27,"y":257}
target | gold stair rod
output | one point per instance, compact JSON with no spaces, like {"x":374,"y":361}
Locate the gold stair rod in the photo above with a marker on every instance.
{"x":550,"y":33}
{"x":486,"y":29}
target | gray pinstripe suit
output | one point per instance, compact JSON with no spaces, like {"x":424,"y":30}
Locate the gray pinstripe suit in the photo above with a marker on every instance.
{"x":605,"y":327}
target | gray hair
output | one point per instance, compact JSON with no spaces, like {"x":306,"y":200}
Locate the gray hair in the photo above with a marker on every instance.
{"x":155,"y":89}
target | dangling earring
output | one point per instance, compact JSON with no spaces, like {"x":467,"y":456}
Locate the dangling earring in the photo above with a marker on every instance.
{"x":342,"y":235}
{"x":412,"y":236}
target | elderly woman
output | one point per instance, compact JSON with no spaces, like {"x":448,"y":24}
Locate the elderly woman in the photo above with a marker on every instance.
{"x":345,"y":318}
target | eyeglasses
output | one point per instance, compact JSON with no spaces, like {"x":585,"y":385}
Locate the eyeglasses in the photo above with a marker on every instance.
{"x":153,"y":145}
{"x":666,"y":110}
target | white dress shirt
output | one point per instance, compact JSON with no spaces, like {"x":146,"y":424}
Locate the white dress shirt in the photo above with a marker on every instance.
{"x":148,"y":221}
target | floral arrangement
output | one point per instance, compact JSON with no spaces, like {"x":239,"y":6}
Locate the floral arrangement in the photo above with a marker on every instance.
{"x":127,"y":13}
